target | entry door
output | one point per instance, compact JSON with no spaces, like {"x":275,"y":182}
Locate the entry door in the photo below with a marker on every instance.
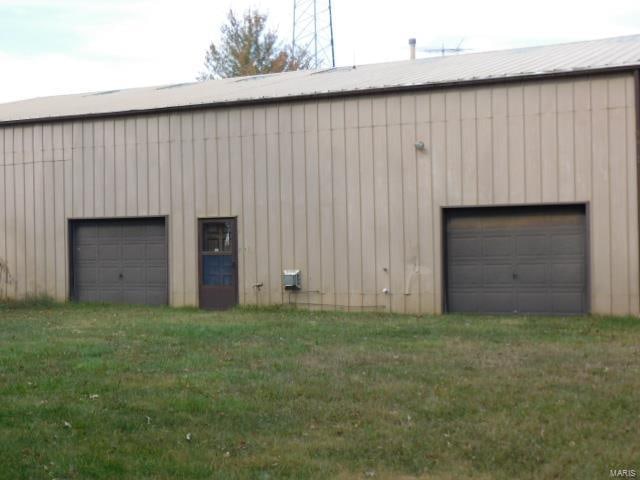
{"x":218,"y":263}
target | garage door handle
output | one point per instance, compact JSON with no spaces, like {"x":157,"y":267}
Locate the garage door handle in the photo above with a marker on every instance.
{"x":120,"y":276}
{"x":515,"y":276}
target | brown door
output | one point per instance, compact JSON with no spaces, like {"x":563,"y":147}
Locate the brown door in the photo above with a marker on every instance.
{"x":218,"y":263}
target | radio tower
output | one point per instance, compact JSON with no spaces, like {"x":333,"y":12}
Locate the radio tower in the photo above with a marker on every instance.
{"x":313,"y":31}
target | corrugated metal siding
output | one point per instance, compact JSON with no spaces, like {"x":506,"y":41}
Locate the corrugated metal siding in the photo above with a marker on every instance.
{"x":533,"y":61}
{"x":335,"y":188}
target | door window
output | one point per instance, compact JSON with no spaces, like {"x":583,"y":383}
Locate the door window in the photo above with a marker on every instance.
{"x":217,"y":254}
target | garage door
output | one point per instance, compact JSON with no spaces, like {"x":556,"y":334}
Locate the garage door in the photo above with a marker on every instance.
{"x":516,"y":260}
{"x":119,"y":261}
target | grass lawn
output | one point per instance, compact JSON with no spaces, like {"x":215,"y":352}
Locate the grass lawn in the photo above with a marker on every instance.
{"x":89,"y":391}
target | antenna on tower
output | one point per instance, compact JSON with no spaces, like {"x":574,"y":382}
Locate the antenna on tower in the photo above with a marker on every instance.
{"x":313,"y":31}
{"x":443,"y":50}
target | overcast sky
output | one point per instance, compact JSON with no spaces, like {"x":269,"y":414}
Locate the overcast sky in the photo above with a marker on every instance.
{"x":50,"y":47}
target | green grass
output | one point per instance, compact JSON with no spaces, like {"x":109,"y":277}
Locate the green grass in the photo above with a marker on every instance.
{"x":276,"y":393}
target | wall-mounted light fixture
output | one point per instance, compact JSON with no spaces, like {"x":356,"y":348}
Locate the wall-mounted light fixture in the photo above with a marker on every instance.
{"x":420,"y":146}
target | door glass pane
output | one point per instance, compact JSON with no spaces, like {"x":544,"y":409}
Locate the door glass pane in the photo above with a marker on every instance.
{"x":216,"y":237}
{"x":217,"y":270}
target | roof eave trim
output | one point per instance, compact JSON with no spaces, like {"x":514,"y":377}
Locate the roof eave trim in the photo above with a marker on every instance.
{"x":329,"y":95}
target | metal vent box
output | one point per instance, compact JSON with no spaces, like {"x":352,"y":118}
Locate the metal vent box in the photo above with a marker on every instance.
{"x":291,"y":279}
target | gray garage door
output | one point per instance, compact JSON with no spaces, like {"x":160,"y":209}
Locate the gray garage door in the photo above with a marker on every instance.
{"x":516,"y":260}
{"x":119,"y":261}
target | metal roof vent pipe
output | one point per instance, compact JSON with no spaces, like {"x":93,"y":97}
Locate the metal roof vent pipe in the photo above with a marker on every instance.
{"x":412,"y":49}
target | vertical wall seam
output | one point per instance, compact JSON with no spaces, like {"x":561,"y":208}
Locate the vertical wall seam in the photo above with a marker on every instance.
{"x":557,"y":139}
{"x":539,"y":149}
{"x":268,"y":213}
{"x":375,"y":217}
{"x":346,"y":197}
{"x":446,"y":149}
{"x":493,"y":159}
{"x":607,"y":113}
{"x":361,"y":226}
{"x":404,"y":232}
{"x":146,"y":124}
{"x":136,"y":162}
{"x":24,"y":212}
{"x":306,"y":188}
{"x":475,"y":130}
{"x":171,"y":225}
{"x":524,"y":148}
{"x":432,"y":206}
{"x":93,"y":160}
{"x":636,"y":94}
{"x":461,"y":148}
{"x":574,"y":143}
{"x":66,"y":213}
{"x":417,"y":199}
{"x":626,"y":198}
{"x":333,"y":207}
{"x":4,"y":208}
{"x":280,"y":226}
{"x":126,"y":179}
{"x":387,"y":161}
{"x":255,"y":206}
{"x":194,"y":214}
{"x":321,"y":262}
{"x":33,"y":199}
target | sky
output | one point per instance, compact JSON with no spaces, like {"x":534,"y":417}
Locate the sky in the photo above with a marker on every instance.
{"x":53,"y":47}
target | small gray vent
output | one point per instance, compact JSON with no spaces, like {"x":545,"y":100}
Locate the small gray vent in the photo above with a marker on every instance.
{"x":334,"y":70}
{"x":251,"y":78}
{"x":175,"y":85}
{"x":106,"y":92}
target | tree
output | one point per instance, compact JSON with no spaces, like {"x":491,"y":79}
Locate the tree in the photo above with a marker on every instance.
{"x":248,"y":47}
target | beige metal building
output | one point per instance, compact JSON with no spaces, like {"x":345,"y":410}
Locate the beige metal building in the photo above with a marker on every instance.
{"x":490,"y":182}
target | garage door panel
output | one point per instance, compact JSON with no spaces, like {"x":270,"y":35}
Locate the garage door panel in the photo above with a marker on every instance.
{"x":110,"y":295}
{"x":108,"y":275}
{"x":156,"y":275}
{"x":567,"y":244}
{"x":565,"y":302}
{"x":89,"y":295}
{"x":497,"y":246}
{"x":108,"y":230}
{"x":134,"y":275}
{"x":532,"y":245}
{"x":156,"y":251}
{"x":463,"y":301}
{"x":87,"y":236}
{"x":497,"y":274}
{"x":134,"y":233}
{"x":134,"y":251}
{"x":533,"y":259}
{"x":88,"y":274}
{"x":108,"y":252}
{"x":87,"y":252}
{"x":464,"y":275}
{"x":156,"y":296}
{"x":497,"y":301}
{"x":465,"y":246}
{"x":532,"y":273}
{"x":567,"y":274}
{"x":534,"y":302}
{"x":120,"y":261}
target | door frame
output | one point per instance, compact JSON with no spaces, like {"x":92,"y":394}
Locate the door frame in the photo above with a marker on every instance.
{"x":444,"y":210}
{"x":234,"y":249}
{"x":73,"y":221}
